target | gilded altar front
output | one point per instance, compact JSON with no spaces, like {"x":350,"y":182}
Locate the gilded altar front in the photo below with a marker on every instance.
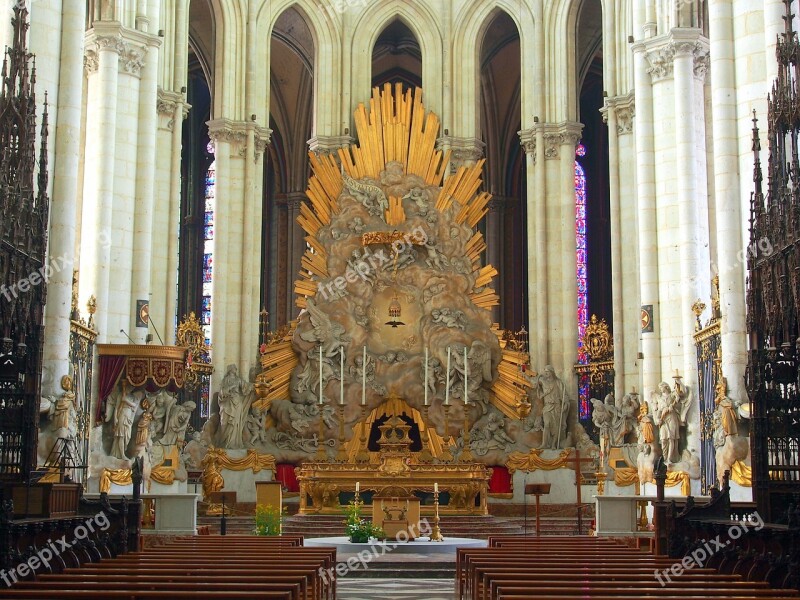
{"x":325,"y":485}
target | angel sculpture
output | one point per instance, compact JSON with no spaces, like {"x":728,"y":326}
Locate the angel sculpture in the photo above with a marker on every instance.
{"x":322,"y":328}
{"x":671,"y":407}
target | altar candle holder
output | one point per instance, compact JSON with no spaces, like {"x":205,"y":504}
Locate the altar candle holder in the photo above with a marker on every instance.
{"x":436,"y":533}
{"x":363,"y":454}
{"x":425,"y":455}
{"x":466,"y":453}
{"x":322,"y":452}
{"x":341,"y":454}
{"x":446,"y":456}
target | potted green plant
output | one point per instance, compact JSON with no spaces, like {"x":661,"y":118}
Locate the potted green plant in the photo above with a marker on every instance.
{"x":358,"y":529}
{"x":269,"y":520}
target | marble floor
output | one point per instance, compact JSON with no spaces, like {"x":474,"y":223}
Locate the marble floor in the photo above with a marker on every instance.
{"x":365,"y":588}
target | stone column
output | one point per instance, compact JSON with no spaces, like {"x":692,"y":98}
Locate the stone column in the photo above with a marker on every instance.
{"x":145,"y":186}
{"x":102,"y":63}
{"x":536,"y":231}
{"x":693,"y":222}
{"x":494,"y":245}
{"x":617,"y":119}
{"x":726,"y":195}
{"x":64,"y":201}
{"x":647,"y":220}
{"x":297,"y":248}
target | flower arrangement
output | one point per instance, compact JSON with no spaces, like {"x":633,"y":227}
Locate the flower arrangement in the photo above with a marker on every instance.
{"x":269,"y":520}
{"x":357,"y":528}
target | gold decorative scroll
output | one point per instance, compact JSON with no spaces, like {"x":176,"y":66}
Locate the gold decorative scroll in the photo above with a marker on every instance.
{"x":510,"y":389}
{"x":598,"y":341}
{"x":393,"y":406}
{"x":115,"y":476}
{"x":517,"y":461}
{"x":625,"y":476}
{"x":217,"y":459}
{"x":389,"y":237}
{"x":278,"y":360}
{"x":742,"y":474}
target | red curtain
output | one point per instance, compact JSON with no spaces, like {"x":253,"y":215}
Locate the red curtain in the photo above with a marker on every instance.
{"x":285,"y":474}
{"x":110,"y":369}
{"x":500,"y":482}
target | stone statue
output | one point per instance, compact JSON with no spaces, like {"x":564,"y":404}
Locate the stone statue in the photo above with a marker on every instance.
{"x":177,"y":424}
{"x":727,"y":414}
{"x":161,"y":407}
{"x":491,"y":435}
{"x":123,"y":424}
{"x":256,"y":426}
{"x":625,"y":421}
{"x":670,"y":415}
{"x":554,"y":412}
{"x":603,"y":417}
{"x":449,"y":318}
{"x":231,"y":398}
{"x":64,"y":408}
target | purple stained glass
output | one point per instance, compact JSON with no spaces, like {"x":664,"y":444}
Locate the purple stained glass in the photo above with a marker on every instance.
{"x":208,"y":251}
{"x":208,"y":261}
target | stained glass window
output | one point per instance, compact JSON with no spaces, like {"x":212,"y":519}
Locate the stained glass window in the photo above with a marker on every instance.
{"x":582,"y":275}
{"x":208,"y":266}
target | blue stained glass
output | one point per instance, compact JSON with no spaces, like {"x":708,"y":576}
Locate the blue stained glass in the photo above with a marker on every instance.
{"x":580,"y":211}
{"x":207,"y":261}
{"x":209,"y":204}
{"x":206,"y":303}
{"x":205,"y":318}
{"x":209,"y":218}
{"x":209,"y":232}
{"x":208,"y":258}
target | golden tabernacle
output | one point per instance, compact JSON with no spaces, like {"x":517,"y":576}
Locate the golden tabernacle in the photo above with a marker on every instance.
{"x":398,"y":474}
{"x":396,"y":514}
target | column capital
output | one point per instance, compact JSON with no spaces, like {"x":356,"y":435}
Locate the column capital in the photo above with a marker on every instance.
{"x":166,"y":104}
{"x":624,"y":108}
{"x":130,"y":44}
{"x":527,"y":139}
{"x":560,"y":134}
{"x":662,"y":50}
{"x":328,"y":144}
{"x":235,"y":134}
{"x":465,"y":151}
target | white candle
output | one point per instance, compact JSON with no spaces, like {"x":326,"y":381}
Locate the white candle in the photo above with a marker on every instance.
{"x":436,"y":487}
{"x":341,"y":375}
{"x":320,"y":374}
{"x":364,"y":378}
{"x":426,"y":377}
{"x":447,"y":384}
{"x":358,"y":486}
{"x":466,"y":376}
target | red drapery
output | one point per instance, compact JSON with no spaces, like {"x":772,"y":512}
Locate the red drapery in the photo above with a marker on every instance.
{"x":110,"y":369}
{"x":285,"y":474}
{"x":500,"y":482}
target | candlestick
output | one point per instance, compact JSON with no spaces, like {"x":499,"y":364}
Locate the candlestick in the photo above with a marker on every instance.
{"x":426,"y":377}
{"x":436,"y":487}
{"x":341,"y":374}
{"x":447,"y":384}
{"x":446,"y":456}
{"x":320,"y":374}
{"x":436,"y":534}
{"x":466,"y":376}
{"x":363,"y":454}
{"x":341,"y":454}
{"x":364,"y":378}
{"x":425,"y":456}
{"x":358,"y":486}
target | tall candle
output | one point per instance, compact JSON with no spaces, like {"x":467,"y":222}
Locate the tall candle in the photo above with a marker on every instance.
{"x":364,"y":378}
{"x":341,"y":374}
{"x":426,"y":377}
{"x":447,"y":384}
{"x":358,"y":486}
{"x":436,"y":487}
{"x":466,"y":376}
{"x":320,"y":373}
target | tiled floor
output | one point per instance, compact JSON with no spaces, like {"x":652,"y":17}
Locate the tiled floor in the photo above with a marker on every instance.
{"x":403,"y":589}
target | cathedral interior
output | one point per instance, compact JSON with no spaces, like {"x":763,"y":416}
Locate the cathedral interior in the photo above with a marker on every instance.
{"x":529,"y":266}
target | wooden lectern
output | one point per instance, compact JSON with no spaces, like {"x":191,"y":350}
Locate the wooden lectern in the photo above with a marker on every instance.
{"x":395,"y":514}
{"x":223,"y":498}
{"x":269,"y":493}
{"x":536,"y":489}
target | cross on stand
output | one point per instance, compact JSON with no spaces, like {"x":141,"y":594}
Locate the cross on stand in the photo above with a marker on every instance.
{"x":575,"y":460}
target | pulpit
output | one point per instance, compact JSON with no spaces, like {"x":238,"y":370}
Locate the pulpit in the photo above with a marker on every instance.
{"x":396,"y":514}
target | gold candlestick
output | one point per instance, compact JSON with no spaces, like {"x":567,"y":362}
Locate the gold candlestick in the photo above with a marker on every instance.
{"x":446,"y":455}
{"x":425,"y":455}
{"x":601,"y":482}
{"x":363,"y":453}
{"x":436,"y":533}
{"x":341,"y":454}
{"x":466,"y":453}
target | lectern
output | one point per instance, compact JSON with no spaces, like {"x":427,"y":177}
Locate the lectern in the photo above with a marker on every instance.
{"x":223,"y":498}
{"x":536,"y":489}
